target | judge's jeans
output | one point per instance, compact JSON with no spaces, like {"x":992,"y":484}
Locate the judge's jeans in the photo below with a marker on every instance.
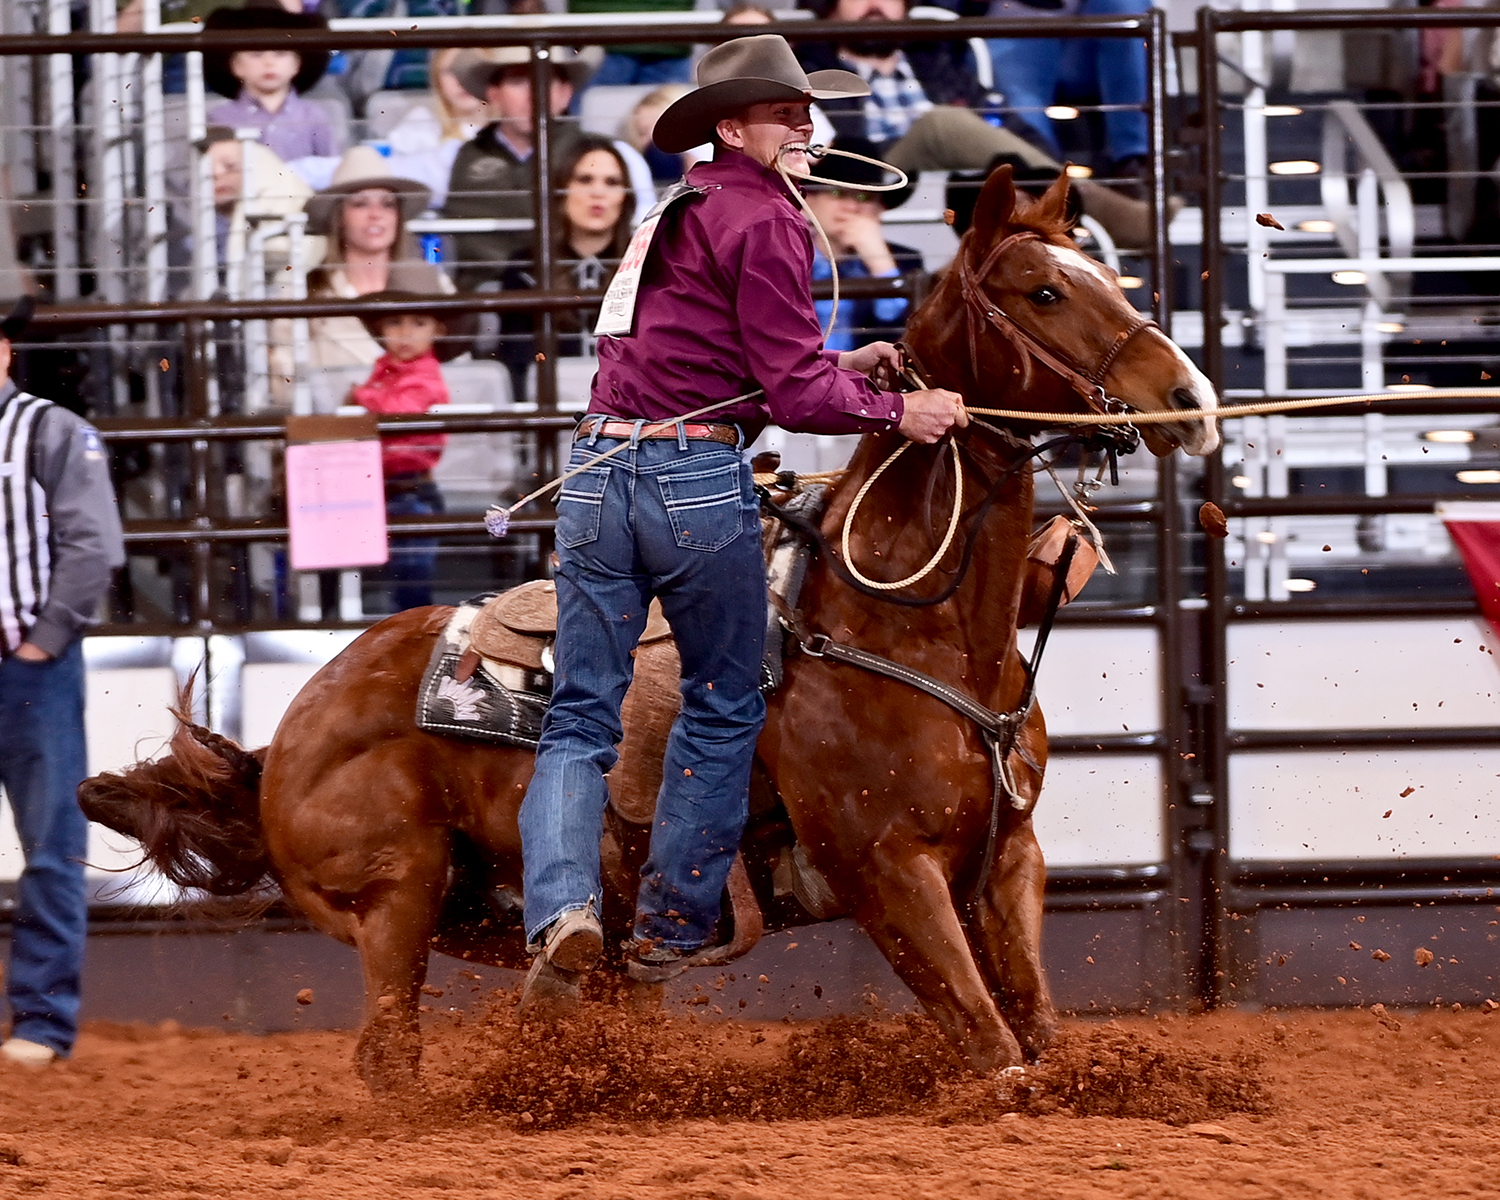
{"x":42,"y":762}
{"x":675,"y":519}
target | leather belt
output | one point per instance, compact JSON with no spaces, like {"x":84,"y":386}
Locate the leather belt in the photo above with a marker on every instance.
{"x":694,"y":431}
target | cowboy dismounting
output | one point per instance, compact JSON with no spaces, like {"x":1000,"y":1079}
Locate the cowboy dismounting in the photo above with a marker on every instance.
{"x":722,"y":305}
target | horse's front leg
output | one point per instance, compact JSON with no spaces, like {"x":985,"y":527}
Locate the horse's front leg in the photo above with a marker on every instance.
{"x":1007,"y":936}
{"x":908,"y":911}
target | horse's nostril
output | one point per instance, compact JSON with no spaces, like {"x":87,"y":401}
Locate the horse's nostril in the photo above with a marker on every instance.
{"x":1185,"y":398}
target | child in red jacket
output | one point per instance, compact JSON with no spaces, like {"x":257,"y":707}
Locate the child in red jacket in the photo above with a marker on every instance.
{"x":407,"y":379}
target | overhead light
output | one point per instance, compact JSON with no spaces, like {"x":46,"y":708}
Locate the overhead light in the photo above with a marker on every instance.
{"x":1316,"y":225}
{"x":1350,"y":278}
{"x":1282,"y":110}
{"x":1479,"y":477}
{"x":1411,"y":387}
{"x":1300,"y":585}
{"x":1267,"y":538}
{"x":1077,"y":172}
{"x":1454,"y":436}
{"x":1061,"y":112}
{"x":1130,"y":282}
{"x":1295,"y":166}
{"x":1390,"y":327}
{"x":1242,"y":481}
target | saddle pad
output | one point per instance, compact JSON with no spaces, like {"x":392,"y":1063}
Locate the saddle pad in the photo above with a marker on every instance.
{"x":481,"y":707}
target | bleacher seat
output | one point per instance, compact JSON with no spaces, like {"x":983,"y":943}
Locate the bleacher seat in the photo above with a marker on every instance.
{"x":603,"y":110}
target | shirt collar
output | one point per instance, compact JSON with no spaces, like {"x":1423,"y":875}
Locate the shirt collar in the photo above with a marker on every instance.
{"x":254,"y":104}
{"x":7,"y":390}
{"x":730,"y":168}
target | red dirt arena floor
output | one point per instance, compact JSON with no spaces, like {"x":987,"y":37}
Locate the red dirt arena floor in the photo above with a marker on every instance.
{"x":1361,"y":1103}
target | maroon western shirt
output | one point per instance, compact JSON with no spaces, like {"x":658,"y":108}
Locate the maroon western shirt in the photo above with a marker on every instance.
{"x":725,"y":305}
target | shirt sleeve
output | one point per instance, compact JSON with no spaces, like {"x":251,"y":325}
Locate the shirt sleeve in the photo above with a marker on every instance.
{"x":87,"y":543}
{"x":805,"y":390}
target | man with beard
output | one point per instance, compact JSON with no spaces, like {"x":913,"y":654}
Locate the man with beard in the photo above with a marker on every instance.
{"x":920,"y":114}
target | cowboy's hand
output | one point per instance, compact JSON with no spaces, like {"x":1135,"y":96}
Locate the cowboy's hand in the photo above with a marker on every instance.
{"x":931,"y":413}
{"x":880,"y":362}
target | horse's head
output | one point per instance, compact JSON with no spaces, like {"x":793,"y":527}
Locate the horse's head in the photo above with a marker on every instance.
{"x":1028,"y":320}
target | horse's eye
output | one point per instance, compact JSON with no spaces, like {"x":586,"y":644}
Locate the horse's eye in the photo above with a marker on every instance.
{"x":1044,"y":296}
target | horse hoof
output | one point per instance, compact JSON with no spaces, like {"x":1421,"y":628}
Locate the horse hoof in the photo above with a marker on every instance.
{"x":549,"y":992}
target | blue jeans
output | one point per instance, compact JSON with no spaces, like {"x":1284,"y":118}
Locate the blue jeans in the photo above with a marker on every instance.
{"x":42,"y":762}
{"x":413,"y":562}
{"x":1029,"y":71}
{"x":674,"y":519}
{"x":622,"y":70}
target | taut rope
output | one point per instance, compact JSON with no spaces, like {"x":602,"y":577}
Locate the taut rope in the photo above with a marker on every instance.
{"x":1231,"y":411}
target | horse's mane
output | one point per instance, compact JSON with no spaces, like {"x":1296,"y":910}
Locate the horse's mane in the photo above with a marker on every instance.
{"x":1032,"y":214}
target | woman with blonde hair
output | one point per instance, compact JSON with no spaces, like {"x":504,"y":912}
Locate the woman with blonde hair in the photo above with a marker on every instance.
{"x":425,"y":141}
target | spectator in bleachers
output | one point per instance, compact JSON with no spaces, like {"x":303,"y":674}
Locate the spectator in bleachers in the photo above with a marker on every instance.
{"x":267,"y":85}
{"x":492,"y":173}
{"x":850,"y":217}
{"x":591,"y":217}
{"x":406,"y":379}
{"x":427,"y":138}
{"x":665,"y":168}
{"x":1031,"y":70}
{"x":275,"y":190}
{"x":644,"y":62}
{"x":921,"y":114}
{"x":364,"y":213}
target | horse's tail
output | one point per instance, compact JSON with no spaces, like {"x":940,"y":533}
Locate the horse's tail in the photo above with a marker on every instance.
{"x":195,"y":811}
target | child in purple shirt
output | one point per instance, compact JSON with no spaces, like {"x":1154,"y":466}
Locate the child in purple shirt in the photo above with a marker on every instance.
{"x":267,"y":84}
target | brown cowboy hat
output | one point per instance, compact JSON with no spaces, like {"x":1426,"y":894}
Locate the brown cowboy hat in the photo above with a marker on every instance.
{"x":459,"y":328}
{"x":364,"y":167}
{"x":260,"y":14}
{"x":475,"y":70}
{"x":732,"y":76}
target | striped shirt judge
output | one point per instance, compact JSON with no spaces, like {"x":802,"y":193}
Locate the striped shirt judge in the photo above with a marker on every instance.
{"x":59,"y":521}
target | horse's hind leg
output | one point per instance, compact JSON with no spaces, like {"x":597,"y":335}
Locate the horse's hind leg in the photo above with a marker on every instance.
{"x":1007,"y":935}
{"x":909,"y":913}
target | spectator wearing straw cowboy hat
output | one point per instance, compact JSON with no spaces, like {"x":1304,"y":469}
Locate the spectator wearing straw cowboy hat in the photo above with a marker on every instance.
{"x":266,"y":86}
{"x":492,"y":174}
{"x":60,"y":544}
{"x":723,"y":308}
{"x":364,"y":213}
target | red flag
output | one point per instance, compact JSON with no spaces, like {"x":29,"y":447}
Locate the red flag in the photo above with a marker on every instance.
{"x":1479,"y":543}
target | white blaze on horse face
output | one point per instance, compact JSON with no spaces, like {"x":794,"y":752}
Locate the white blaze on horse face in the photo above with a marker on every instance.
{"x":1200,"y":434}
{"x":1207,"y":440}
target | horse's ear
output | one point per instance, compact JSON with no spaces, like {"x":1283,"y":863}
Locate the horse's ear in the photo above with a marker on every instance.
{"x":1054,"y":202}
{"x":996,"y":204}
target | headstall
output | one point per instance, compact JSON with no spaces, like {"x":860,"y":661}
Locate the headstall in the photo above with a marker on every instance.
{"x":1089,"y":384}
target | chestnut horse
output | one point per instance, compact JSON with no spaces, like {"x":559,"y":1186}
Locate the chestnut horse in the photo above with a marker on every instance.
{"x":398,"y":842}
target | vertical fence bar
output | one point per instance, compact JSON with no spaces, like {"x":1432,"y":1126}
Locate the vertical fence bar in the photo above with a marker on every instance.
{"x":1219,"y":983}
{"x":64,"y":166}
{"x":542,"y":71}
{"x":1158,"y":45}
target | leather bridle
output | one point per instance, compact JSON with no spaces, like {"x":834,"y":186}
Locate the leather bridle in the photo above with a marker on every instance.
{"x":978,"y":305}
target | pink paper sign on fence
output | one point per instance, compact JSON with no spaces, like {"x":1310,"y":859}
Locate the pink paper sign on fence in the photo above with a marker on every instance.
{"x":335,"y":497}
